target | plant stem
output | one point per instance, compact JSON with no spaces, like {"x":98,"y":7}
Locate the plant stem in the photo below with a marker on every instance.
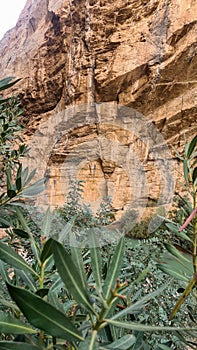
{"x":194,"y":232}
{"x":41,"y":279}
{"x":40,"y":339}
{"x":94,"y":334}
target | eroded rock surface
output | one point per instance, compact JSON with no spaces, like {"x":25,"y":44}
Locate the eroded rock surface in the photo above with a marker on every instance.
{"x":139,"y":54}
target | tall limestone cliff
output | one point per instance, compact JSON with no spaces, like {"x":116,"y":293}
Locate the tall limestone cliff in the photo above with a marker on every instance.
{"x":106,"y":85}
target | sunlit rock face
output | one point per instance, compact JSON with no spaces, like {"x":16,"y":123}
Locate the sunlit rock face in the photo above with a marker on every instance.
{"x":77,"y":55}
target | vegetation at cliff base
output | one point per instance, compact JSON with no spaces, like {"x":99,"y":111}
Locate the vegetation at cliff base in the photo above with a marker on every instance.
{"x":134,"y":294}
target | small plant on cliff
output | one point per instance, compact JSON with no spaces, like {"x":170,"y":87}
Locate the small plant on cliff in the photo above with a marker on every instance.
{"x":82,"y":213}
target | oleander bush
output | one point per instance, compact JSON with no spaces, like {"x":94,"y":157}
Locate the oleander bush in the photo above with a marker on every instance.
{"x":55,"y":295}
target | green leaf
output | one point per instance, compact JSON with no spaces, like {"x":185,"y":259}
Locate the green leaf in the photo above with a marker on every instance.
{"x":11,"y":193}
{"x":114,"y":268}
{"x":19,"y":171}
{"x":46,"y":223}
{"x":24,"y":176}
{"x":146,"y":328}
{"x":191,"y":147}
{"x":27,"y":278}
{"x":22,"y":220}
{"x":28,"y":177}
{"x":53,"y":300}
{"x":186,"y":171}
{"x":3,"y":271}
{"x":70,"y":276}
{"x":62,"y":235}
{"x":8,"y":345}
{"x":175,"y":252}
{"x":10,"y":325}
{"x":138,"y":305}
{"x":7,"y":83}
{"x":76,"y":254}
{"x":20,"y":233}
{"x":96,"y":263}
{"x":18,"y":178}
{"x":33,"y":190}
{"x":172,"y":272}
{"x":123,"y":343}
{"x":26,"y":228}
{"x":47,"y":250}
{"x":194,"y":175}
{"x":9,"y":180}
{"x":12,"y":306}
{"x":9,"y":256}
{"x":18,"y":184}
{"x":43,"y":315}
{"x":175,"y":229}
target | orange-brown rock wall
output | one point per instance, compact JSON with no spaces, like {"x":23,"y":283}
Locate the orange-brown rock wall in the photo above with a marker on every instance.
{"x":70,"y":53}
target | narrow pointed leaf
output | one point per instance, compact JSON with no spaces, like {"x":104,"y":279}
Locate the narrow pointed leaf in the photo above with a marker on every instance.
{"x":22,"y":220}
{"x":26,"y":228}
{"x":146,"y":328}
{"x":174,"y":228}
{"x":27,"y":278}
{"x":62,"y":236}
{"x":18,"y":178}
{"x":185,"y":171}
{"x":9,"y":179}
{"x":194,"y":175}
{"x":18,"y":184}
{"x":175,"y":252}
{"x":27,"y":178}
{"x":53,"y":300}
{"x":7,"y":83}
{"x":114,"y":268}
{"x":123,"y":343}
{"x":47,"y":250}
{"x":70,"y":276}
{"x":20,"y":233}
{"x":9,"y":304}
{"x":9,"y":256}
{"x":46,"y":223}
{"x":173,"y":273}
{"x":33,"y":190}
{"x":138,"y":305}
{"x":8,"y":345}
{"x":4,"y":82}
{"x":192,"y":146}
{"x":76,"y":255}
{"x":96,"y":263}
{"x":4,"y":271}
{"x":11,"y":325}
{"x":19,"y":172}
{"x":43,"y":315}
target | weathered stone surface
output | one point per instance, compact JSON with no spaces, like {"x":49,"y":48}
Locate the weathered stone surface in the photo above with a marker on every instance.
{"x":140,"y":54}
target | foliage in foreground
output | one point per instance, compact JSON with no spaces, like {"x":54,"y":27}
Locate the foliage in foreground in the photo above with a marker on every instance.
{"x":178,"y":261}
{"x":72,"y":306}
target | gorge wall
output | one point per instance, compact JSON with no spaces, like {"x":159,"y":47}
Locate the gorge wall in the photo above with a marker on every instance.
{"x":101,"y":82}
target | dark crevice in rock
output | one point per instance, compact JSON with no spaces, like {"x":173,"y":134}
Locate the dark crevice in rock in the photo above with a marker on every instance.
{"x":180,"y":33}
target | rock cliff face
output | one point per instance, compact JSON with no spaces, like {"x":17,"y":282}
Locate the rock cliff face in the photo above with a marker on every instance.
{"x":81,"y":60}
